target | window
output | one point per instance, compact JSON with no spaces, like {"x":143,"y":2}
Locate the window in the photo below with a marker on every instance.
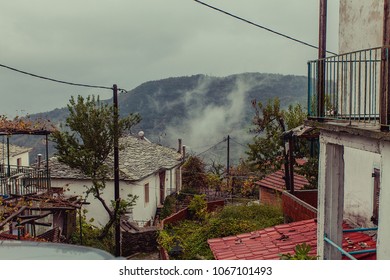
{"x":19,"y":162}
{"x":146,"y":192}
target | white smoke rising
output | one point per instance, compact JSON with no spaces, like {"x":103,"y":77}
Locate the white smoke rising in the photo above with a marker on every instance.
{"x":208,"y":124}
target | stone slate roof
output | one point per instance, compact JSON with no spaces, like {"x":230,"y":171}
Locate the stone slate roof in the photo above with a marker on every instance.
{"x":14,"y":150}
{"x":138,"y":158}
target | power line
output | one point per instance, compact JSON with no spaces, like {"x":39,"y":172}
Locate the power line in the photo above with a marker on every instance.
{"x":211,"y":147}
{"x":245,"y":146}
{"x":262,"y":27}
{"x":55,"y":80}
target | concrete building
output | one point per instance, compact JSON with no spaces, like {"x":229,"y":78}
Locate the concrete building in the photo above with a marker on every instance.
{"x":349,"y":102}
{"x":147,"y":170}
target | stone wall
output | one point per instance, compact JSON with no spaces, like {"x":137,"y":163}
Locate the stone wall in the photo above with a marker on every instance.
{"x":141,"y":240}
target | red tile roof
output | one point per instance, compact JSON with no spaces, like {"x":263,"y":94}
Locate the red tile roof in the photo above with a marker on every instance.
{"x":8,"y":236}
{"x":276,"y":181}
{"x":269,"y":243}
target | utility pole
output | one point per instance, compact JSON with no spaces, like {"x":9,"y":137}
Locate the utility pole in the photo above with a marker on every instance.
{"x":228,"y":164}
{"x":384,"y":94}
{"x":116,"y":172}
{"x":321,"y":60}
{"x":8,"y":162}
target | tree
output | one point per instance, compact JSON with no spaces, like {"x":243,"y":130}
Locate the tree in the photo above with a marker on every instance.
{"x":194,"y":177}
{"x":266,"y":153}
{"x":86,"y":143}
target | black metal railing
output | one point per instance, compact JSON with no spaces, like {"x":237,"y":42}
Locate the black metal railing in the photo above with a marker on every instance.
{"x":21,"y":180}
{"x":350,"y":86}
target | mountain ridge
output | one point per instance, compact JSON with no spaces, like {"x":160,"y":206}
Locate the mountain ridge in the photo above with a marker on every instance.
{"x":200,"y":109}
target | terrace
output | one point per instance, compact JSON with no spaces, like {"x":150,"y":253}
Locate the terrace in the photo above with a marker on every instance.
{"x":351,"y":89}
{"x":22,"y":180}
{"x":18,"y":179}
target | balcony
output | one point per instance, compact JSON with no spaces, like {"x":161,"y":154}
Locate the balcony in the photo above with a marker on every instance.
{"x":351,"y":89}
{"x":21,"y":180}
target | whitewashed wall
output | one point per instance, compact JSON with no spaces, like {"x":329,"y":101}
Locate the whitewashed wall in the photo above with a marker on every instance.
{"x":141,"y":211}
{"x":361,"y":25}
{"x":359,"y":185}
{"x":361,"y":156}
{"x":383,"y":242}
{"x":13,"y":160}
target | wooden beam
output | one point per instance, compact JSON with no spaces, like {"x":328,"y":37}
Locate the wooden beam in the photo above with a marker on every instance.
{"x":14,"y":215}
{"x":42,"y":224}
{"x":53,"y":208}
{"x":38,"y":216}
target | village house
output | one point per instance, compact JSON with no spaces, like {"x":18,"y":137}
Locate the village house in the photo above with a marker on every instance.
{"x":13,"y":160}
{"x":16,"y":174}
{"x":349,"y":103}
{"x":17,"y":177}
{"x":29,"y":208}
{"x":147,"y":170}
{"x":16,"y":157}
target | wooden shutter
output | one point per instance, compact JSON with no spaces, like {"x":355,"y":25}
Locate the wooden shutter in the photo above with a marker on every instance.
{"x":375,"y":212}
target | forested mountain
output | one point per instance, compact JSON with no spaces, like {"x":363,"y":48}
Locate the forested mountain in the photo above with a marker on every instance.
{"x":199,"y":109}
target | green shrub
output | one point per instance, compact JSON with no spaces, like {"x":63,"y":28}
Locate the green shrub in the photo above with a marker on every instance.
{"x":89,"y":236}
{"x":198,"y":207}
{"x":169,"y":207}
{"x":301,"y":253}
{"x":191,"y":236}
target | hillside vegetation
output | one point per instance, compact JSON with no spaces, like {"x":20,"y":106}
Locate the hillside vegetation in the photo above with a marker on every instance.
{"x":199,"y":109}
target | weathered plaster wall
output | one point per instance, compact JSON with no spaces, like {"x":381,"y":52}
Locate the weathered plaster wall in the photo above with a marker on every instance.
{"x":383,"y":243}
{"x":142,"y":211}
{"x":359,"y":186}
{"x":361,"y":156}
{"x":361,"y":25}
{"x":13,"y":159}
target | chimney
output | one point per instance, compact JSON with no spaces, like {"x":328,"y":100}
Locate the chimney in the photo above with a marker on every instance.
{"x":39,"y":161}
{"x":184,"y":152}
{"x":141,"y":135}
{"x":180,"y":145}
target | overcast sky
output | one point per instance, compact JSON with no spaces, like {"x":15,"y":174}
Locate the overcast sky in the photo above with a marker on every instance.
{"x":128,"y":42}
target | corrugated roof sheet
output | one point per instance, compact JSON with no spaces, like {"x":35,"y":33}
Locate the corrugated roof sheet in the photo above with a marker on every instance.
{"x":269,"y":243}
{"x":137,"y":159}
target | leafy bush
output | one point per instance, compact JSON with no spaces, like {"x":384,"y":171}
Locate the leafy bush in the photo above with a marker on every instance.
{"x":198,"y":207}
{"x":301,"y":253}
{"x":90,"y":236}
{"x":169,"y":207}
{"x":191,"y":236}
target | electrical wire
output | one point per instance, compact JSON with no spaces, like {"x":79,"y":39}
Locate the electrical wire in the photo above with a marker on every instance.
{"x":224,"y":140}
{"x":57,"y":81}
{"x":245,"y":146}
{"x":260,"y":26}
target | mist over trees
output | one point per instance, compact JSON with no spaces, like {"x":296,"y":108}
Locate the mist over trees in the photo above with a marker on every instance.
{"x":200,"y":109}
